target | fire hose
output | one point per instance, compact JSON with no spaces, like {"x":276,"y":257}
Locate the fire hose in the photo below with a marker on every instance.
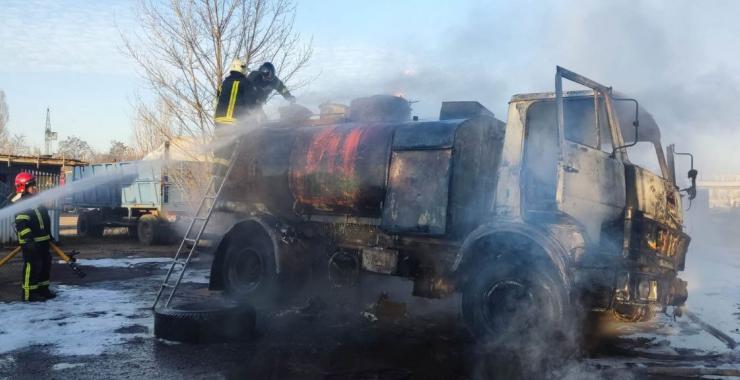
{"x":69,"y":259}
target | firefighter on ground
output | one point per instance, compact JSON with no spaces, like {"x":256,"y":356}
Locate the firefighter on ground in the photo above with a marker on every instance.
{"x":33,"y":228}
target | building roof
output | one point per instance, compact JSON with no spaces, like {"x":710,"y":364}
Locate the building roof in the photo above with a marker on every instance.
{"x":39,"y":160}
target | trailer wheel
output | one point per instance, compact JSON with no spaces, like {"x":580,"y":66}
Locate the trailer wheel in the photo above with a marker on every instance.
{"x":248,"y":269}
{"x":508,"y":303}
{"x":148,"y":230}
{"x":88,"y":226}
{"x":205,"y":322}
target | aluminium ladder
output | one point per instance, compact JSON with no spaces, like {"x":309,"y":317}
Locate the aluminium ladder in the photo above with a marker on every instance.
{"x":200,"y":219}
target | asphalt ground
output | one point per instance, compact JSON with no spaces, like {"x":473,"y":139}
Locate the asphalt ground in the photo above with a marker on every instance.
{"x":101,"y":327}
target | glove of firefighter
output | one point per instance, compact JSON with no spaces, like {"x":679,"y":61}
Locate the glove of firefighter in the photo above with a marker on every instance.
{"x":290,"y":98}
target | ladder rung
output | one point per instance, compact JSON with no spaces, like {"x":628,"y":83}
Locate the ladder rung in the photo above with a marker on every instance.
{"x":189,"y":240}
{"x":201,"y":218}
{"x":168,"y":286}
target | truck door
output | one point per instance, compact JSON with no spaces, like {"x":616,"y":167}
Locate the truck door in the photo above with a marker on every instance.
{"x":586,"y":184}
{"x":591,"y":186}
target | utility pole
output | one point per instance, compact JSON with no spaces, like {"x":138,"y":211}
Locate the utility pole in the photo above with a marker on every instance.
{"x":49,"y":136}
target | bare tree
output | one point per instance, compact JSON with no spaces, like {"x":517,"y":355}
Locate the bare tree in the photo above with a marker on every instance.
{"x":18,"y":145}
{"x":118,"y":151}
{"x":5,"y":142}
{"x":153,"y":125}
{"x":185,"y":48}
{"x":75,"y":147}
{"x":4,"y":114}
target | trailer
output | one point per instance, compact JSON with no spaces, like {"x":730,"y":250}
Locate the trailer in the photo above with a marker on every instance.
{"x":140,"y":199}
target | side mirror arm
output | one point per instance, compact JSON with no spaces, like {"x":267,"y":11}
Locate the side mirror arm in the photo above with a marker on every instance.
{"x":693,"y":173}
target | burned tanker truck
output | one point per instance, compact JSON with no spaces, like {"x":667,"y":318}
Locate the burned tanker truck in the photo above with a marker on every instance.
{"x":540,"y":213}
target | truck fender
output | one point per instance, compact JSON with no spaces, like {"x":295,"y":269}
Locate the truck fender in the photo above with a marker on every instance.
{"x":554,"y":252}
{"x":260,"y":223}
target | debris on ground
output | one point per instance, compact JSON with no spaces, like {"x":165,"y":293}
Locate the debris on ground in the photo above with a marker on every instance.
{"x":385,"y":309}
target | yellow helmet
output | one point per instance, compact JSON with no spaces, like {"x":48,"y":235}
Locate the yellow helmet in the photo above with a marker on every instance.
{"x":238,"y":65}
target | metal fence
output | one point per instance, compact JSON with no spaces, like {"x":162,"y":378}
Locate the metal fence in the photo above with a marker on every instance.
{"x":44,"y":180}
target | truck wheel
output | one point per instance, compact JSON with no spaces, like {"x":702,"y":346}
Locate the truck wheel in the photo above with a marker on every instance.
{"x":249,"y":268}
{"x":507,"y":303}
{"x":88,"y":226}
{"x":147,"y":229}
{"x":205,"y":322}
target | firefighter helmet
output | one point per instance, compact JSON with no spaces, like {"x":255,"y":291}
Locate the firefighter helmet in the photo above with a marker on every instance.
{"x":23,"y":180}
{"x":268,"y":71}
{"x":238,"y":65}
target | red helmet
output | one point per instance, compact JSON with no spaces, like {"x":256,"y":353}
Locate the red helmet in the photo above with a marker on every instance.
{"x":22,"y":180}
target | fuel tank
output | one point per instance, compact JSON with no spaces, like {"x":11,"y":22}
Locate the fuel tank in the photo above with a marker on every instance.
{"x":414,"y":176}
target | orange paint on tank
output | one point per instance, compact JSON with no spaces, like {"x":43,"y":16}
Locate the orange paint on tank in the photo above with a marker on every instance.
{"x":349,"y":154}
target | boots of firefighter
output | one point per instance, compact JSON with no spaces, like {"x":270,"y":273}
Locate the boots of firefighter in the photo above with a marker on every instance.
{"x":45,"y":271}
{"x":45,"y":292}
{"x":33,"y":296}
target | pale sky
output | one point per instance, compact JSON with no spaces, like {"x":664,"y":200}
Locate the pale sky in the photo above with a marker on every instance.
{"x":679,"y":58}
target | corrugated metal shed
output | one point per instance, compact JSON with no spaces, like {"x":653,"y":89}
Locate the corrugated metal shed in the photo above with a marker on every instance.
{"x":49,"y":173}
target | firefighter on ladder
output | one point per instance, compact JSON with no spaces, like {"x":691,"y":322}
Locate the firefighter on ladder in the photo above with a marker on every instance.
{"x":240,"y":95}
{"x":33,"y":228}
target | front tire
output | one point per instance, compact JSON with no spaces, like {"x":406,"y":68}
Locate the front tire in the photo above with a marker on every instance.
{"x":507,"y":302}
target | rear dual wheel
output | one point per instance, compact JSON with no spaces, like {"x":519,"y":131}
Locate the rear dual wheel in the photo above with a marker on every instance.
{"x":88,"y":225}
{"x":248,"y":269}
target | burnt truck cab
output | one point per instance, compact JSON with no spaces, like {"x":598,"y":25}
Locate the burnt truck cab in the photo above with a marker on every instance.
{"x":540,"y":213}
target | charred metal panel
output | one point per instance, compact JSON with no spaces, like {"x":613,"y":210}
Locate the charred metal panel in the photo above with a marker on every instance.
{"x":654,"y":196}
{"x":418,"y":187}
{"x":463,"y":110}
{"x":261,"y":173}
{"x":654,"y":224}
{"x":591,"y":188}
{"x":341,"y":169}
{"x":475,"y":164}
{"x":426,"y":135}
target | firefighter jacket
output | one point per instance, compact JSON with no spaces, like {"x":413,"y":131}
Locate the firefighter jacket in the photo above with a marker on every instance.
{"x":33,"y":226}
{"x":261,"y":89}
{"x":232,"y":98}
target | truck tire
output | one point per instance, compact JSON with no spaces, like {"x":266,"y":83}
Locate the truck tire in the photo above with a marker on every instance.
{"x":248,"y":268}
{"x":88,"y":225}
{"x":508,"y":303}
{"x":148,"y":229}
{"x":205,"y":322}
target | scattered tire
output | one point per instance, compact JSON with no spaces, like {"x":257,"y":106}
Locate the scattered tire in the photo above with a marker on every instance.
{"x":205,"y":322}
{"x":148,"y":229}
{"x":88,"y":225}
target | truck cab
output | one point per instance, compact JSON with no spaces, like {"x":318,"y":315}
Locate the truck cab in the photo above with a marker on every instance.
{"x":621,"y":224}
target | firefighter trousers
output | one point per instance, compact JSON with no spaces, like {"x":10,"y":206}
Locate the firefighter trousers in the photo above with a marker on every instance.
{"x":36,"y":270}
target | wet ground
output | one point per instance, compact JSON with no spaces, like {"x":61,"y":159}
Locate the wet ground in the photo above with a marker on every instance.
{"x":101,"y":327}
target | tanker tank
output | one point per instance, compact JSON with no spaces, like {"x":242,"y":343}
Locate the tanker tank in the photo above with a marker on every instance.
{"x":409,"y":176}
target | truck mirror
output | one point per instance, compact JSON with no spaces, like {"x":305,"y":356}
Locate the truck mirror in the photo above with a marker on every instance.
{"x":693,"y":173}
